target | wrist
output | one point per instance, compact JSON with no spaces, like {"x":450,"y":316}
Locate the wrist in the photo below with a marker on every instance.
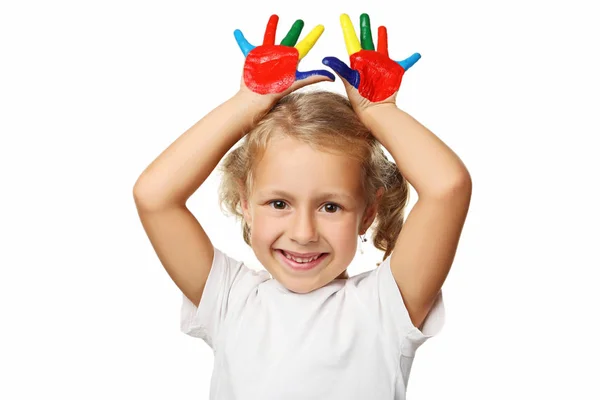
{"x":254,"y":101}
{"x":374,"y":112}
{"x":251,"y":106}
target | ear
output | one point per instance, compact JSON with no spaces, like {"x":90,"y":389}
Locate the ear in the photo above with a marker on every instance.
{"x":243,"y":201}
{"x":371,"y":212}
{"x":245,"y":210}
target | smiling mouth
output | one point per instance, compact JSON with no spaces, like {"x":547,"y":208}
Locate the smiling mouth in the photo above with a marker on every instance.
{"x":307,"y":257}
{"x":303,"y":264}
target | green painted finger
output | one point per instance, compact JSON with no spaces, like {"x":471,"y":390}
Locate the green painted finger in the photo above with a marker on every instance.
{"x":366,"y":40}
{"x":292,"y":36}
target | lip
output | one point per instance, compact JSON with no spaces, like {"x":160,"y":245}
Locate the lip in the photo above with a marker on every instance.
{"x":294,"y":266}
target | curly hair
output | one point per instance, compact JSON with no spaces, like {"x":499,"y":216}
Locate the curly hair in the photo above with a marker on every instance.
{"x":325,"y":121}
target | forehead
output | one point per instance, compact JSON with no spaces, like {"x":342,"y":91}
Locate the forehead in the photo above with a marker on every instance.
{"x":295,"y":166}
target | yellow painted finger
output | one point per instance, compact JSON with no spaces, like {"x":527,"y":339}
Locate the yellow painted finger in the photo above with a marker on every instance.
{"x":352,"y":43}
{"x":309,"y":41}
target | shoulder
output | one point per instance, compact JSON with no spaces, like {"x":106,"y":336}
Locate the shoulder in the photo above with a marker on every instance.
{"x":372,"y":279}
{"x":378,"y":291}
{"x":229,"y":286}
{"x":230,"y":276}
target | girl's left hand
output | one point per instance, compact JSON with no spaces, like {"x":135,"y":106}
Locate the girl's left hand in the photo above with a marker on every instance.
{"x":373,"y":78}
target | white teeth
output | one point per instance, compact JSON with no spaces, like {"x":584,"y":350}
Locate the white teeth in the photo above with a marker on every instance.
{"x":300,"y":260}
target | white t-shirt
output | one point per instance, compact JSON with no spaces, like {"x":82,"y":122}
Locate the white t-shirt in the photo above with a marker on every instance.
{"x":352,"y":339}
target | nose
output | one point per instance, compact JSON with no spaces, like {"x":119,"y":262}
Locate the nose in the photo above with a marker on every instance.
{"x":304,"y":228}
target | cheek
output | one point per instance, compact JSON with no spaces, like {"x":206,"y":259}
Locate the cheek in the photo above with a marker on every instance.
{"x":342,"y":232}
{"x":337,"y":233}
{"x":266,"y":229}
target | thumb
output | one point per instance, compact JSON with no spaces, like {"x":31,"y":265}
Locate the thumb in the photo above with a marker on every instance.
{"x":309,"y":78}
{"x":345,"y":72}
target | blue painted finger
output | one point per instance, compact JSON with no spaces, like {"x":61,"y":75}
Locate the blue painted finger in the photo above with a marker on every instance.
{"x":242,"y":42}
{"x":410,"y":61}
{"x":322,"y":72}
{"x":349,"y":74}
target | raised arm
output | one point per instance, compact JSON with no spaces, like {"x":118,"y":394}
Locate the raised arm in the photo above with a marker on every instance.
{"x":427,"y":243}
{"x":163,"y":188}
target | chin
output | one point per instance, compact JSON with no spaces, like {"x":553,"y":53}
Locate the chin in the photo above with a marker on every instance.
{"x":301,"y":286}
{"x":302,"y":289}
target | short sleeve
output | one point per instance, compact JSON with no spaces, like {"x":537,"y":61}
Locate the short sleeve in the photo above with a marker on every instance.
{"x":228,"y":285}
{"x":379,"y":288}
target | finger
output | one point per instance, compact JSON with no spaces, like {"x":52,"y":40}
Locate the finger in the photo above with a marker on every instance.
{"x":309,"y":41}
{"x":321,"y":72}
{"x":352,"y":44}
{"x":242,"y":42}
{"x":309,"y":80}
{"x":366,"y":39}
{"x":344,"y":71}
{"x":410,"y":61}
{"x":382,"y":43}
{"x":292,"y":36}
{"x":270,"y":30}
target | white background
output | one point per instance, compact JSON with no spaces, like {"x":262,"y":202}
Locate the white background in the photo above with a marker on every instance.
{"x":92,"y":92}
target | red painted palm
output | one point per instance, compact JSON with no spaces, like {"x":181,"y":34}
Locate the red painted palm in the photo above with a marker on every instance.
{"x":271,"y":68}
{"x":372,"y":72}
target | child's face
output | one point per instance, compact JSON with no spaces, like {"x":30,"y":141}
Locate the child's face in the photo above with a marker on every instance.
{"x":300,"y":221}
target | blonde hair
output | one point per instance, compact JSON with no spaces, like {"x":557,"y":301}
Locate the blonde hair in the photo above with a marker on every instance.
{"x":327,"y":122}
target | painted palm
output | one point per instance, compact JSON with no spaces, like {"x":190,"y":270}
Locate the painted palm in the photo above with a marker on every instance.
{"x":372,"y":72}
{"x":271,"y":68}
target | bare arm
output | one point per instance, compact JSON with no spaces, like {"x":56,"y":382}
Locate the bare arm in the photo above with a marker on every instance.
{"x":427,"y":244}
{"x":430,"y":166}
{"x":180,"y":169}
{"x":163,"y":188}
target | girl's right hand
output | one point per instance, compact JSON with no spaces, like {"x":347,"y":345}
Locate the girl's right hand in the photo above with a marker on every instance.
{"x":270,"y":70}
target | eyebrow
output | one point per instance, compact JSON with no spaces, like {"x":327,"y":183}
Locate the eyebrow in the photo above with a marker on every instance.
{"x":322,"y":196}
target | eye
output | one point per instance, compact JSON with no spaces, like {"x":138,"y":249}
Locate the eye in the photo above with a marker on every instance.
{"x":278,"y":202}
{"x":333,"y":206}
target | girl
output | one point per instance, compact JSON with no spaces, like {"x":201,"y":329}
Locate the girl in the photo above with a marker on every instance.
{"x":310,"y":177}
